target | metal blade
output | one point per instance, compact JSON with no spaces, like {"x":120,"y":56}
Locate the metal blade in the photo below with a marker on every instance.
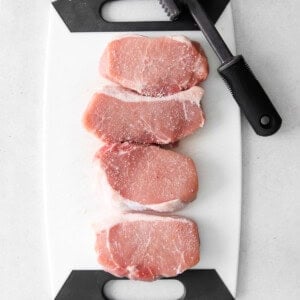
{"x":170,"y":8}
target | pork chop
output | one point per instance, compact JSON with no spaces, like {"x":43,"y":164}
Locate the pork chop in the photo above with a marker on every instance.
{"x":149,"y":177}
{"x":154,"y":66}
{"x":146,"y":247}
{"x":116,"y":114}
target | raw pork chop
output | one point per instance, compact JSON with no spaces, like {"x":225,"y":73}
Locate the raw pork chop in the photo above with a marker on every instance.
{"x":148,"y":177}
{"x":116,"y":114}
{"x":146,"y":247}
{"x":154,"y":66}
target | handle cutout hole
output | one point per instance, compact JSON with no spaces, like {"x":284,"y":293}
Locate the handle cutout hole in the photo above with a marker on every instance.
{"x":133,"y":11}
{"x":266,"y":122}
{"x":167,"y":289}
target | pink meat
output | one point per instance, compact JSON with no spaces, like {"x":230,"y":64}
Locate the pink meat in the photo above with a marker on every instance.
{"x":154,"y":66}
{"x":116,"y":114}
{"x":146,"y":247}
{"x":148,"y":177}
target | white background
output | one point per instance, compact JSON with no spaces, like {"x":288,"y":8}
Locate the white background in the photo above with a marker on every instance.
{"x":268,"y":34}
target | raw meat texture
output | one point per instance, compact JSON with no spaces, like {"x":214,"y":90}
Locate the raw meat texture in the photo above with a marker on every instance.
{"x":148,"y":177}
{"x":116,"y":114}
{"x":146,"y":247}
{"x":154,"y":66}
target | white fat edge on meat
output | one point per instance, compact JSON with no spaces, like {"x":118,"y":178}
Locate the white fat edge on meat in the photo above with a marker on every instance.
{"x":108,"y":246}
{"x":178,"y":38}
{"x":168,"y":206}
{"x":121,"y":217}
{"x":199,"y":67}
{"x":110,"y":196}
{"x":194,"y":95}
{"x":181,"y":39}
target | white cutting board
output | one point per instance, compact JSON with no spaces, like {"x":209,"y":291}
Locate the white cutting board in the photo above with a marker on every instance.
{"x":72,"y":199}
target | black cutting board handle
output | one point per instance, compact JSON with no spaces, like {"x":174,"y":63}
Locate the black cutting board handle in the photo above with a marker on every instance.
{"x":85,"y":16}
{"x":199,"y":284}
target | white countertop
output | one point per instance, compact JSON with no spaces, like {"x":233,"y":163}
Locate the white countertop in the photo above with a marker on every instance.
{"x":268,"y":34}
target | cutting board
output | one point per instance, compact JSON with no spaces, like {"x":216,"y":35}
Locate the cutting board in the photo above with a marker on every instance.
{"x":72,"y":202}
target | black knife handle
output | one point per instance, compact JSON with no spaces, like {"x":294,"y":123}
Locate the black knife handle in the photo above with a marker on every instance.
{"x":251,"y":97}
